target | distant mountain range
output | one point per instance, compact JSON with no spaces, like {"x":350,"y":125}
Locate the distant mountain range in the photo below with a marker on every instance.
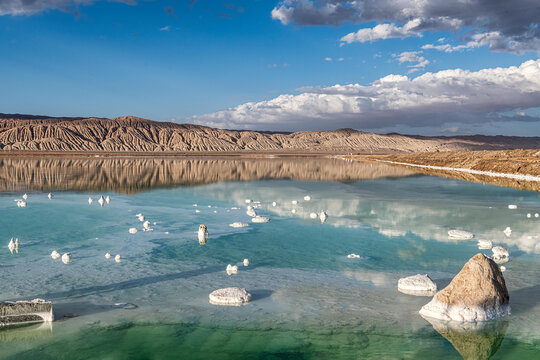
{"x":132,"y":134}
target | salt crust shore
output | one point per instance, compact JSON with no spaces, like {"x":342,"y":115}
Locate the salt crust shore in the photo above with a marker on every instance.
{"x":438,"y":310}
{"x":470,"y":171}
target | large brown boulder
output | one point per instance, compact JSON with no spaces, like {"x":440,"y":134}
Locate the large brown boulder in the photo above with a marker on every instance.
{"x":477,"y":293}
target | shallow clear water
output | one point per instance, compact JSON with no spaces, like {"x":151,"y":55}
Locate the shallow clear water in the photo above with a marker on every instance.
{"x":309,"y":299}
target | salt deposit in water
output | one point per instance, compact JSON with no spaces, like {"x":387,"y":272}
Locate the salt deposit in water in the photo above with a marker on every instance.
{"x":460,"y":234}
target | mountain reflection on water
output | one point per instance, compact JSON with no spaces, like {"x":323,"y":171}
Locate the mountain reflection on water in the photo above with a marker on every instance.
{"x":130,"y":175}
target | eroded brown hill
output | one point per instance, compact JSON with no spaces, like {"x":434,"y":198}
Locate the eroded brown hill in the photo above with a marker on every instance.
{"x":132,"y":134}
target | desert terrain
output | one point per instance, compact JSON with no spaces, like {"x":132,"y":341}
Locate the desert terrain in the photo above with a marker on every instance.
{"x":26,"y":133}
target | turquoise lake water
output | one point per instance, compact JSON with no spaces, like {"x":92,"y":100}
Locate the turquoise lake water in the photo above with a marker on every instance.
{"x":309,"y":300}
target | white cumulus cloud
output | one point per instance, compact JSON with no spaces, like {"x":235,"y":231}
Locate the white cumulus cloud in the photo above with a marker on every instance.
{"x":384,"y":31}
{"x":432,"y":99}
{"x":417,"y":62}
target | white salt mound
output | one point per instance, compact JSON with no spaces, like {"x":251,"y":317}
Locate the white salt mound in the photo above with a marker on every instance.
{"x":500,"y":253}
{"x":485,"y":244}
{"x":313,"y":216}
{"x":507,"y":231}
{"x":419,"y":285}
{"x":232,"y":296}
{"x":250,"y":211}
{"x":460,"y":234}
{"x":238,"y":224}
{"x":55,"y":254}
{"x":513,"y":207}
{"x":260,"y":219}
{"x":133,"y":230}
{"x":231,"y":269}
{"x":66,"y":258}
{"x":246,"y":262}
{"x":307,"y":198}
{"x":353,"y":256}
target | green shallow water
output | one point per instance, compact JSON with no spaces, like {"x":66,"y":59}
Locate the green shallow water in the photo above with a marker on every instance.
{"x":309,"y":300}
{"x":196,"y":341}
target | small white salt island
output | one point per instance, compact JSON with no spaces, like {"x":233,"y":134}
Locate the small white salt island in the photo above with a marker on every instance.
{"x":460,"y":234}
{"x":238,"y":224}
{"x":418,"y":285}
{"x":260,"y":219}
{"x":231,"y":296}
{"x":477,"y":293}
{"x":485,"y":244}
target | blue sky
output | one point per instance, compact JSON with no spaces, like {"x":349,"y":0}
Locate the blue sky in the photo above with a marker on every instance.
{"x":271,"y":65}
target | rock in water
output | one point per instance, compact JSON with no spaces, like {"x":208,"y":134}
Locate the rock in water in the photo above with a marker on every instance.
{"x":477,"y":293}
{"x":419,"y":285}
{"x":230,"y":296}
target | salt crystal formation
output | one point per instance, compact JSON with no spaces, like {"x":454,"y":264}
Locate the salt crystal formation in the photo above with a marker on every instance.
{"x":232,"y":269}
{"x":477,"y":293}
{"x":419,"y":285}
{"x":202,"y":234}
{"x":230,"y":296}
{"x":460,"y":234}
{"x":238,"y":224}
{"x":500,"y":255}
{"x":485,"y":244}
{"x":25,"y":312}
{"x":66,"y":258}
